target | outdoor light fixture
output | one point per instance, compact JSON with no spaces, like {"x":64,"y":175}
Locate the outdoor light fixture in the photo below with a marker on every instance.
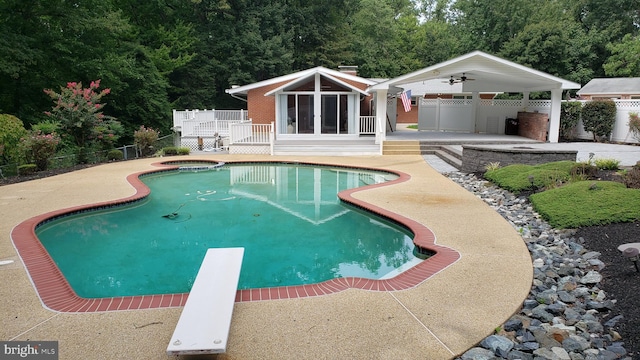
{"x":633,"y":254}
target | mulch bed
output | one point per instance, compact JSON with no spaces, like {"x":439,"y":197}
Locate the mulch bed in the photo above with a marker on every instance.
{"x":620,"y":280}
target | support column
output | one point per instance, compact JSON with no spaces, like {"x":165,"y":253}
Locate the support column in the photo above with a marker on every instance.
{"x":475,"y":98}
{"x":381,"y":116}
{"x":554,"y":116}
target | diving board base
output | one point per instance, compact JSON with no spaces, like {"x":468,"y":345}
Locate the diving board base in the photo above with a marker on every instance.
{"x":203,"y":327}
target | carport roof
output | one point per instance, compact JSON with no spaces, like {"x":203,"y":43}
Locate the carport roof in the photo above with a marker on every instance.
{"x":489,"y":73}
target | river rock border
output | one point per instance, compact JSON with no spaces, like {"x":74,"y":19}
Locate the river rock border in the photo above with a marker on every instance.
{"x":565,"y":315}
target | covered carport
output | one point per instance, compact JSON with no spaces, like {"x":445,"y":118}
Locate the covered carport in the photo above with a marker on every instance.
{"x":480,"y":72}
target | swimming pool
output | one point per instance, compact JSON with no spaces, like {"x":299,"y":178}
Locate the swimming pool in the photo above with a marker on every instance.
{"x":279,"y":213}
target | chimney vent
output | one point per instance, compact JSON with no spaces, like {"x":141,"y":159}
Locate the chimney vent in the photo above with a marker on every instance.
{"x":349,"y":69}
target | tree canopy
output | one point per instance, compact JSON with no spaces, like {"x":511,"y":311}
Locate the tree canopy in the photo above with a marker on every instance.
{"x":157,"y":55}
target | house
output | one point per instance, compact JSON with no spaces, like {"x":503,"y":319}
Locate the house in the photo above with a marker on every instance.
{"x":317,"y":103}
{"x":337,"y":112}
{"x":611,"y":88}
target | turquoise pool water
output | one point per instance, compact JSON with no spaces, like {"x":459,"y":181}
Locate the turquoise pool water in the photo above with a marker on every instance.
{"x":294,"y":229}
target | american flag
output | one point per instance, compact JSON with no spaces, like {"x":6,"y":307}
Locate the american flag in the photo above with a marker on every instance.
{"x":406,"y":100}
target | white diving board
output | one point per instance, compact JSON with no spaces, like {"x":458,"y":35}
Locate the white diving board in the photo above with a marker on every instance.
{"x":203,"y":327}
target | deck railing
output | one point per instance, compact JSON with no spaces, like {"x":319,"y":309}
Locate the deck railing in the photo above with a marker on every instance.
{"x":367,"y":125}
{"x":248,"y":133}
{"x":206,"y":123}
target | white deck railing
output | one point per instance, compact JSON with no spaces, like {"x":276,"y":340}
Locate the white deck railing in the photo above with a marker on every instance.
{"x":206,"y":123}
{"x":248,"y":133}
{"x":367,"y":125}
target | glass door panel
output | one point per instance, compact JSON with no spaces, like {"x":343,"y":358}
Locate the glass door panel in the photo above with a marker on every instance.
{"x":305,"y":114}
{"x":329,"y":114}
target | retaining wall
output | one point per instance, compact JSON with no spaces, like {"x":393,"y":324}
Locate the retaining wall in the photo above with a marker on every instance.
{"x":475,"y":158}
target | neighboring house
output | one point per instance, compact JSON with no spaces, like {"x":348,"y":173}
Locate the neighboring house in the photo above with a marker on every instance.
{"x":611,"y":88}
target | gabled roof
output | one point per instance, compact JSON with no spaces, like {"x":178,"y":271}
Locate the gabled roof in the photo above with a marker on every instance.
{"x":311,"y":75}
{"x":305,"y":74}
{"x":489,"y":73}
{"x":611,"y":86}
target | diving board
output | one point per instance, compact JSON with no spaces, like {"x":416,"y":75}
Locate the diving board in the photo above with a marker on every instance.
{"x":203,"y":327}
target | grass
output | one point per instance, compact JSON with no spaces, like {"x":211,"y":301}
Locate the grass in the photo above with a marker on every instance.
{"x":518,"y":178}
{"x":587,"y":203}
{"x":569,"y":201}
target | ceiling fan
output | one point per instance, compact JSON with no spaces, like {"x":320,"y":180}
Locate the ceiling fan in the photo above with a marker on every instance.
{"x":462,"y":79}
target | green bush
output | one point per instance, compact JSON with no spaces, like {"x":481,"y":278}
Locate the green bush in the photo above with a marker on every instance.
{"x":519,"y":177}
{"x":607,"y":164}
{"x":587,"y":203}
{"x":170,"y":150}
{"x":583,"y":171}
{"x":27,"y":169}
{"x":598,"y":117}
{"x":569,"y":117}
{"x":145,"y":139}
{"x":115,"y":155}
{"x":11,"y":131}
{"x":184,"y":151}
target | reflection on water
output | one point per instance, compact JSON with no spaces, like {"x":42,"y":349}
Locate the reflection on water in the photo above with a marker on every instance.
{"x":294,"y":229}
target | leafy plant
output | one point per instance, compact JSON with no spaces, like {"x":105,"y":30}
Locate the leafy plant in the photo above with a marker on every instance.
{"x":598,"y":117}
{"x":27,"y":169}
{"x":519,"y":177}
{"x":145,"y":138}
{"x":115,"y":155}
{"x":40,"y":147}
{"x":78,"y":111}
{"x":634,"y":125}
{"x":11,"y":131}
{"x":607,"y":164}
{"x":569,"y":117}
{"x":492,"y":166}
{"x":184,"y":151}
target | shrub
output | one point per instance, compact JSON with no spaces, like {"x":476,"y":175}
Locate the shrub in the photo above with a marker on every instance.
{"x":39,"y":148}
{"x":145,"y":139}
{"x":569,"y":117}
{"x":27,"y":169}
{"x":11,"y":131}
{"x":631,"y":178}
{"x":115,"y":155}
{"x":170,"y":150}
{"x":78,"y":111}
{"x":598,"y":117}
{"x":47,"y":127}
{"x":634,"y":125}
{"x":607,"y":164}
{"x":519,"y":177}
{"x":184,"y":151}
{"x":583,"y":171}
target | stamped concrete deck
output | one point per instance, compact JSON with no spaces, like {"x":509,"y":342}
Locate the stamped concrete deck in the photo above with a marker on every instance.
{"x":437,"y":319}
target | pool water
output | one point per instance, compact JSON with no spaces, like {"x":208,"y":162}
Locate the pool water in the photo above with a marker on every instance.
{"x":288,"y":218}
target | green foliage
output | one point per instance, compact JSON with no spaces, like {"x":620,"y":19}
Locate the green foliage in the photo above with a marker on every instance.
{"x":145,"y":139}
{"x":587,"y":203}
{"x":634,"y":125}
{"x":583,"y":171}
{"x":569,"y":117}
{"x":624,"y":60}
{"x":184,"y":151}
{"x":598,"y":117}
{"x":607,"y":164}
{"x":170,"y":151}
{"x":77,"y":111}
{"x":47,"y":127}
{"x":115,"y":155}
{"x":27,"y":169}
{"x":11,"y":131}
{"x":39,"y":148}
{"x":519,"y":177}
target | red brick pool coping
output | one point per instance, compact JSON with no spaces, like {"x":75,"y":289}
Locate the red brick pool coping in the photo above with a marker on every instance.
{"x":56,"y":294}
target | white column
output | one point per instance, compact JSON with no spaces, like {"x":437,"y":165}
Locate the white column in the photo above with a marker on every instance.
{"x":554,"y":115}
{"x":474,"y":110}
{"x":525,"y":100}
{"x":381,"y":116}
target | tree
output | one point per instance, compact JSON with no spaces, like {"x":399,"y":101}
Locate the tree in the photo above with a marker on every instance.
{"x":77,"y":110}
{"x":624,"y":60}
